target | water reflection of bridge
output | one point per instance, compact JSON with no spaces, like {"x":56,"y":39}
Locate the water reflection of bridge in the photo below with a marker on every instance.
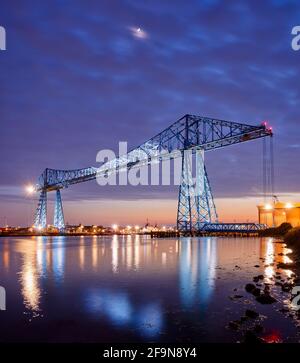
{"x":111,"y":274}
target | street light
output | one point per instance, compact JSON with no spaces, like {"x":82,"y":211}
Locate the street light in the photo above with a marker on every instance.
{"x":30,"y":189}
{"x":268,"y":207}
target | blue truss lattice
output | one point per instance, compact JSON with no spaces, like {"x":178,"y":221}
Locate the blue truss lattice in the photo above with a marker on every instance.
{"x":59,"y":221}
{"x":196,"y":206}
{"x":190,"y":132}
{"x":40,"y":219}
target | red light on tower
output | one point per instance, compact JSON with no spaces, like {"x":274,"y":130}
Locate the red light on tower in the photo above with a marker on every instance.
{"x":268,"y":128}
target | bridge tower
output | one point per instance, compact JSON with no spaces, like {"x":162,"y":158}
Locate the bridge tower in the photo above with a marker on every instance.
{"x":40,"y":219}
{"x":59,"y":221}
{"x":195,"y":201}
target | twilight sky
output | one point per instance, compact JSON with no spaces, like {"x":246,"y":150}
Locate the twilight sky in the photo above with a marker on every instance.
{"x":77,"y":78}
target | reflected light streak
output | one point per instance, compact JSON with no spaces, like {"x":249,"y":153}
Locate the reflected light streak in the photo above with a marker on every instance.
{"x":58,"y":258}
{"x":95,"y":254}
{"x":114,"y":254}
{"x":212,"y":258}
{"x":115,"y":306}
{"x":6,"y":257}
{"x":81,"y":254}
{"x":164,"y":258}
{"x":41,"y":256}
{"x":120,"y":310}
{"x":29,"y":280}
{"x":207,"y":264}
{"x":128,"y":253}
{"x":185,"y":272}
{"x":286,"y":259}
{"x":269,"y":259}
{"x":149,"y":320}
{"x":197,"y":270}
{"x":289,"y":273}
{"x":136,"y":252}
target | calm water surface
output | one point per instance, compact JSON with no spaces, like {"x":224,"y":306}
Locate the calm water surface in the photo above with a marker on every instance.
{"x":132,"y":288}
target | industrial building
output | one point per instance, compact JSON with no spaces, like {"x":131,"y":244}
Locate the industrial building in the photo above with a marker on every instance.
{"x":274,"y":214}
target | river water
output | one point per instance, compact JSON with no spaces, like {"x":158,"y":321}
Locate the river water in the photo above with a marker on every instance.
{"x":134,"y":289}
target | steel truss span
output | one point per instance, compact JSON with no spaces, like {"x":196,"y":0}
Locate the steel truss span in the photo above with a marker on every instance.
{"x":190,"y":132}
{"x":233,"y":227}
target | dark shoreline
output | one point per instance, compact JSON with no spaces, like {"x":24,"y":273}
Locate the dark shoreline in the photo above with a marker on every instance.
{"x":65,"y":234}
{"x":263,"y":294}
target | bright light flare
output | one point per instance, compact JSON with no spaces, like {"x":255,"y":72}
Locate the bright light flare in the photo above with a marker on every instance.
{"x":30,"y":189}
{"x":289,"y":273}
{"x":267,"y":126}
{"x":115,"y":227}
{"x":268,"y":207}
{"x":289,"y":205}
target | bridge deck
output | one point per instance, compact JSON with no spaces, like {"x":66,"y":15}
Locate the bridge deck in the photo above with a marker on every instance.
{"x":233,"y":227}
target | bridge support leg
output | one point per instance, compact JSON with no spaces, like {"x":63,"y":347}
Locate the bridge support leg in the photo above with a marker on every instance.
{"x":212,"y":215}
{"x":186,"y":200}
{"x":195,"y":203}
{"x":59,"y":221}
{"x":40,"y":219}
{"x":202,"y":200}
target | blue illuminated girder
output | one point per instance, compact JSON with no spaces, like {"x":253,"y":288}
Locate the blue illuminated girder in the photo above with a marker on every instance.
{"x":59,"y":221}
{"x":40,"y":219}
{"x":186,"y":214}
{"x":188,"y":133}
{"x":204,"y":199}
{"x":234,"y":227}
{"x":195,"y":203}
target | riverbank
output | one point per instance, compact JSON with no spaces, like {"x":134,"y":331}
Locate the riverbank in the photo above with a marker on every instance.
{"x":292,"y":241}
{"x":49,"y":234}
{"x":274,"y":289}
{"x":285,"y":233}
